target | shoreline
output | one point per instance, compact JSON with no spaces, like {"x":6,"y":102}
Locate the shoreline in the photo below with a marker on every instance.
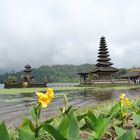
{"x":99,"y":87}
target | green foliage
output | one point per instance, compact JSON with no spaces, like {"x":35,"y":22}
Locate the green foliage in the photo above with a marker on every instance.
{"x":129,"y":135}
{"x":53,"y":131}
{"x":99,"y":127}
{"x":67,"y":129}
{"x":55,"y":73}
{"x":25,"y":135}
{"x":114,"y":110}
{"x":119,"y":131}
{"x":63,"y":127}
{"x":69,"y":125}
{"x":12,"y":79}
{"x":120,"y":73}
{"x":3,"y":132}
{"x":136,"y":119}
{"x":73,"y":126}
{"x":28,"y":126}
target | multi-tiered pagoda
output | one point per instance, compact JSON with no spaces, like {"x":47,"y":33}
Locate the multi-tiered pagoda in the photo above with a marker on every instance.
{"x":27,"y":76}
{"x":104,"y":68}
{"x":27,"y":80}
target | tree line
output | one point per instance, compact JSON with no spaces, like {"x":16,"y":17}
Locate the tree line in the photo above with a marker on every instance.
{"x":56,"y":73}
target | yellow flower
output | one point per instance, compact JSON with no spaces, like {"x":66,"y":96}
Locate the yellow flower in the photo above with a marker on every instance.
{"x":50,"y":93}
{"x":124,"y":114}
{"x":127,"y":102}
{"x":43,"y":99}
{"x":46,"y":98}
{"x":121,"y":96}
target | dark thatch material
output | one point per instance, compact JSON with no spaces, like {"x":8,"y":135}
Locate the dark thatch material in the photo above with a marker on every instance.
{"x":131,"y":74}
{"x":83,"y":73}
{"x":104,"y":69}
{"x":103,"y":66}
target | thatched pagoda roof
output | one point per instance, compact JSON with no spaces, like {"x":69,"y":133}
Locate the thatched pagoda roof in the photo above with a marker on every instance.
{"x":131,"y":74}
{"x":103,"y":61}
{"x":104,"y":69}
{"x":83,"y":73}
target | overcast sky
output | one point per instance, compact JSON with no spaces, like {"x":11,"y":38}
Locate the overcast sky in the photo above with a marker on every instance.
{"x":47,"y":32}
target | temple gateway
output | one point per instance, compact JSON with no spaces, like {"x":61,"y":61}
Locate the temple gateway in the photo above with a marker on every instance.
{"x":104,"y":71}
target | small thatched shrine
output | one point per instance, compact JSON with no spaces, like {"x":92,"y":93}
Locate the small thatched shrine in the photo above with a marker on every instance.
{"x":27,"y":80}
{"x":133,"y":75}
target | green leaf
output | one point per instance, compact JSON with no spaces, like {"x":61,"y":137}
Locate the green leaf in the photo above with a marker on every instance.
{"x":84,"y":127}
{"x":27,"y":125}
{"x":114,"y":110}
{"x":136,"y":119}
{"x":91,"y":116}
{"x":107,"y":121}
{"x":48,"y":121}
{"x":63,"y":127}
{"x":24,"y":135}
{"x":119,"y":131}
{"x":68,"y":110}
{"x":73,"y":126}
{"x":99,"y":128}
{"x":33,"y":112}
{"x":55,"y":133}
{"x":61,"y":109}
{"x":89,"y":123}
{"x":80,"y":117}
{"x":3,"y":132}
{"x":129,"y":135}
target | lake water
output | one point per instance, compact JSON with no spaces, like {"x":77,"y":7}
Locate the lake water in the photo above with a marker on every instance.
{"x":14,"y":106}
{"x":1,"y":85}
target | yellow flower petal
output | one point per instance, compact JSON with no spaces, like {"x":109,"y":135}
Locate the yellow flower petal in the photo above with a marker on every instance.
{"x":121,"y":96}
{"x":127,"y":102}
{"x":50,"y":93}
{"x":39,"y":94}
{"x":46,"y":98}
{"x":49,"y":90}
{"x":43,"y":104}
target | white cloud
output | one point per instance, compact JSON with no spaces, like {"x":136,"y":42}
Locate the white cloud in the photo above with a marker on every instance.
{"x":68,"y":32}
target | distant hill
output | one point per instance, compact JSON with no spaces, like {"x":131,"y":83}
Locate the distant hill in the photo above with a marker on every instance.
{"x":58,"y":73}
{"x":54,"y":73}
{"x":2,"y":71}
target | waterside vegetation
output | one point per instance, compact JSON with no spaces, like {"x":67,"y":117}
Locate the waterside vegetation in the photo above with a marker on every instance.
{"x":118,"y":121}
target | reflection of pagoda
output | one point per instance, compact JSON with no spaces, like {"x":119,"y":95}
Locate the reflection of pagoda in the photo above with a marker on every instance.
{"x":27,"y":77}
{"x":103,"y":66}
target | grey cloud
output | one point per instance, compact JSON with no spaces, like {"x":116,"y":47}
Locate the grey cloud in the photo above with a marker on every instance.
{"x":68,"y":32}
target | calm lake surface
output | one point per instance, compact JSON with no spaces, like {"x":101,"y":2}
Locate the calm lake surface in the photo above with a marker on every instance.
{"x":14,"y":106}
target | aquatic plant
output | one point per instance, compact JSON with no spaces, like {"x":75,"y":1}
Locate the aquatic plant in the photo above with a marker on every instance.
{"x":120,"y":122}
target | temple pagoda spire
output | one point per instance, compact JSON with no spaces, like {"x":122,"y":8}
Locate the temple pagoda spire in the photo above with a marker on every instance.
{"x":103,"y":57}
{"x":104,"y":68}
{"x":27,"y":76}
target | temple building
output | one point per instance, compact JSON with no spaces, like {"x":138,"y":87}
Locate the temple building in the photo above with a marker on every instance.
{"x":27,"y":80}
{"x":27,"y":76}
{"x":104,"y":68}
{"x":132,"y":76}
{"x":104,"y":71}
{"x":84,"y":77}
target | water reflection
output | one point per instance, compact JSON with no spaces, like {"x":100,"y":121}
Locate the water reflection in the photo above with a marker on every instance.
{"x":14,"y":106}
{"x":27,"y":99}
